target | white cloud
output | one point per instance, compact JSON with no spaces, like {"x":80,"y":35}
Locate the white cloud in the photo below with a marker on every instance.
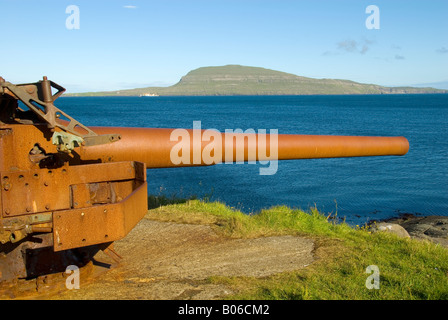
{"x":355,"y":46}
{"x":348,"y":45}
{"x":130,"y":7}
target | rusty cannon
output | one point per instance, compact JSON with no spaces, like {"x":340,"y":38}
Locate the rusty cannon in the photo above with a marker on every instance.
{"x":69,"y":191}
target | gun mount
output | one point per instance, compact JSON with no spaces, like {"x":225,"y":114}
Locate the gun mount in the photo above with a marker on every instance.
{"x":68,"y":191}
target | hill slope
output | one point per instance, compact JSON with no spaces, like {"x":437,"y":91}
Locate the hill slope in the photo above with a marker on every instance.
{"x":242,"y":80}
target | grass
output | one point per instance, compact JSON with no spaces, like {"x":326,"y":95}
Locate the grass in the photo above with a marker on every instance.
{"x":409,"y":269}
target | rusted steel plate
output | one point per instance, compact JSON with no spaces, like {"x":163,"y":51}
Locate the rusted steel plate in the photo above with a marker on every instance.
{"x":6,"y":139}
{"x":87,"y":226}
{"x":80,"y":195}
{"x":98,"y":224}
{"x":102,"y":172}
{"x":135,"y":206}
{"x":17,"y":145}
{"x":33,"y":191}
{"x":119,"y":191}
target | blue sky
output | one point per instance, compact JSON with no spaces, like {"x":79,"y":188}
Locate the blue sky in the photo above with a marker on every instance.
{"x":137,"y":43}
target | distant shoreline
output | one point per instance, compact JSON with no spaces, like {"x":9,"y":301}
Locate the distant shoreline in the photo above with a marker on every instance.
{"x":75,"y":95}
{"x":236,"y":80}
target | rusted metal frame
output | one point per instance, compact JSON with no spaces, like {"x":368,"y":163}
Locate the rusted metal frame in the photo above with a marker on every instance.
{"x":50,"y":113}
{"x":80,"y":227}
{"x":17,"y":222}
{"x":124,"y":214}
{"x":99,"y":224}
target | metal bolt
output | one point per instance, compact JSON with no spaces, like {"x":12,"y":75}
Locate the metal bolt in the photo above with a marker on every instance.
{"x":46,"y":183}
{"x":82,"y":214}
{"x":7,"y":211}
{"x":6,"y":183}
{"x":30,"y":90}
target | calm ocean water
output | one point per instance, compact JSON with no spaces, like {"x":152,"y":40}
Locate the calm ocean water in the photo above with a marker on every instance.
{"x":359,"y":189}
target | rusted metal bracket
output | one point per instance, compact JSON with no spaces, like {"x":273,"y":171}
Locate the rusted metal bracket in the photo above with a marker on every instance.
{"x":66,"y":142}
{"x":18,"y":228}
{"x":39,"y":99}
{"x":110,"y":251}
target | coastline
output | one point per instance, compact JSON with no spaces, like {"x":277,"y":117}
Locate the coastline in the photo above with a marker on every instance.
{"x":433,"y":228}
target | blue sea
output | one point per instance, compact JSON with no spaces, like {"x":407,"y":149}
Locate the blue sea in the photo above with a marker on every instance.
{"x":357,"y":189}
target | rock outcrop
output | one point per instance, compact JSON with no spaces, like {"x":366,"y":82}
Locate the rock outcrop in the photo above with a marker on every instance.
{"x":433,"y":228}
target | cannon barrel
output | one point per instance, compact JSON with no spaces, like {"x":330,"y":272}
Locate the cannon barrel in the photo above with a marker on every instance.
{"x":154,"y":146}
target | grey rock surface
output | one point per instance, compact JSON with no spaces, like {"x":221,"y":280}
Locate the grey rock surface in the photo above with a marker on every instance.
{"x":392,"y":228}
{"x":433,"y":228}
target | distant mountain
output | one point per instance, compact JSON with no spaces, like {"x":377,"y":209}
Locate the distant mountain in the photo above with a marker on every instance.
{"x":242,"y":80}
{"x":438,"y":85}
